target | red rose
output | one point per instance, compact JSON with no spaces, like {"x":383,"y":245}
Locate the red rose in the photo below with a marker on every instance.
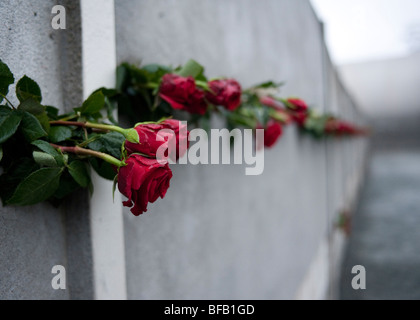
{"x":298,"y":104}
{"x":272,"y":103}
{"x":182,"y":94}
{"x":300,"y":117}
{"x":181,"y":134}
{"x":225,"y":92}
{"x":345,"y":128}
{"x":150,"y":139}
{"x":281,"y":112}
{"x":196,"y":103}
{"x":272,"y":133}
{"x":334,"y":126}
{"x":142,"y":181}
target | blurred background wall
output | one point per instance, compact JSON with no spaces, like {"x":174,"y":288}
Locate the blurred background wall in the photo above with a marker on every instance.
{"x":387,"y":90}
{"x":218,"y":234}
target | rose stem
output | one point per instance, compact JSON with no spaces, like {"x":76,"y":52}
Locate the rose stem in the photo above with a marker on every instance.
{"x":87,"y":152}
{"x":127,"y":133}
{"x":88,"y":125}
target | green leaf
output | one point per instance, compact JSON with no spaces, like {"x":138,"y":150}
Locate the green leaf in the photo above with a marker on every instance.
{"x":121,"y":77}
{"x":191,"y":68}
{"x":39,"y":111}
{"x":269,"y":84}
{"x":79,"y":172}
{"x":66,"y":187}
{"x":46,"y":147}
{"x":1,"y":153}
{"x":109,"y":143}
{"x":262,"y":115}
{"x":44,"y":159}
{"x":27,"y":88}
{"x":32,"y":106}
{"x":9,"y":122}
{"x":37,"y":187}
{"x":155,"y":72}
{"x":137,"y":75}
{"x":15,"y":174}
{"x":103,"y":168}
{"x":110,"y":108}
{"x":52,"y":112}
{"x":93,"y":104}
{"x":31,"y":127}
{"x":60,"y":133}
{"x":6,"y":79}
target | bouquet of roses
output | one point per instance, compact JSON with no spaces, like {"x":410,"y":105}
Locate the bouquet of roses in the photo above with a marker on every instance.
{"x":47,"y":156}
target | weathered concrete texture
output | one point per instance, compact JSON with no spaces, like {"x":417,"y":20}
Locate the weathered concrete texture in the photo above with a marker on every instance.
{"x":219,"y":234}
{"x":34,"y":239}
{"x":252,"y":41}
{"x":385,"y":235}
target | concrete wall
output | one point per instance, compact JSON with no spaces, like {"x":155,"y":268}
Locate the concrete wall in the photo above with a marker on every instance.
{"x":388,"y":87}
{"x":218,"y":233}
{"x":387,"y":92}
{"x":34,"y":239}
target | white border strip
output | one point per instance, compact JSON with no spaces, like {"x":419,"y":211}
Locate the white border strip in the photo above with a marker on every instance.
{"x":107,"y":230}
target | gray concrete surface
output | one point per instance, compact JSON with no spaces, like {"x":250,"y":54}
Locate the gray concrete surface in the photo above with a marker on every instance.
{"x":385,"y":234}
{"x":219,"y":234}
{"x":385,"y":87}
{"x":34,"y":239}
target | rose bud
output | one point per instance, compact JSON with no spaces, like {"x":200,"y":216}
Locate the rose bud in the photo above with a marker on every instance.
{"x":143,"y":180}
{"x":225,"y":92}
{"x":279,"y":112}
{"x":182,"y":94}
{"x":151,"y":138}
{"x":196,"y":103}
{"x":298,"y":105}
{"x":181,"y":135}
{"x":272,"y":133}
{"x":272,"y":103}
{"x":300,"y":117}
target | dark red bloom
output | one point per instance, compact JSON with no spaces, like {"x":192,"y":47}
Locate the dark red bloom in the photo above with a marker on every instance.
{"x":272,"y":103}
{"x":150,"y":139}
{"x":143,"y":180}
{"x":152,"y":136}
{"x":182,"y":94}
{"x":181,"y":135}
{"x":339,"y":127}
{"x":298,"y":104}
{"x":225,"y":92}
{"x":279,"y":107}
{"x":299,"y":117}
{"x":272,"y":133}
